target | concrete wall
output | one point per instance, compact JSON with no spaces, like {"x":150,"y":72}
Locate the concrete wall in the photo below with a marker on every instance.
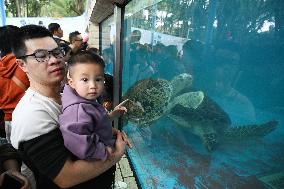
{"x":93,"y":34}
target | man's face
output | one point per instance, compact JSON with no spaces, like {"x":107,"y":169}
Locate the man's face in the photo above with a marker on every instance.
{"x":59,"y":33}
{"x":78,"y":41}
{"x":49,"y":72}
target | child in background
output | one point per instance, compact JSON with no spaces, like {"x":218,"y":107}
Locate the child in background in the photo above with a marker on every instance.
{"x":85,"y":124}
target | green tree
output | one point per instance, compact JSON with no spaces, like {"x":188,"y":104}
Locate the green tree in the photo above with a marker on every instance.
{"x":63,"y":8}
{"x":50,"y":8}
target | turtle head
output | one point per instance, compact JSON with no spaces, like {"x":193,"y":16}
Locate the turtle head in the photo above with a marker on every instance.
{"x":181,"y":81}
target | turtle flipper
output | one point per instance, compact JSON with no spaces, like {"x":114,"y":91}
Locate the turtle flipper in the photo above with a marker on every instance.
{"x":206,"y":132}
{"x":187,"y":100}
{"x":250,"y":130}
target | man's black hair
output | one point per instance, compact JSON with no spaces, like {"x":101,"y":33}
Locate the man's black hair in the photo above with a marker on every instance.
{"x":73,"y":35}
{"x":52,"y":27}
{"x":25,"y":33}
{"x":7,"y":35}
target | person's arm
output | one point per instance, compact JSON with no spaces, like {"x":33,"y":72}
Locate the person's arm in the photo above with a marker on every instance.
{"x":11,"y":163}
{"x":47,"y":154}
{"x":118,"y":111}
{"x":9,"y":157}
{"x":76,"y":172}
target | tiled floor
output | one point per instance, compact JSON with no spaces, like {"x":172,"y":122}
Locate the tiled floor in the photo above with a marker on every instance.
{"x":125,"y":174}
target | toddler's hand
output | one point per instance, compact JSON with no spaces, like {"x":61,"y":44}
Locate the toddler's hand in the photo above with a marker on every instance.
{"x":119,"y":110}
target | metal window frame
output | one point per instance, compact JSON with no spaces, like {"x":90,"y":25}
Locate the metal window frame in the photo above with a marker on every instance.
{"x":117,"y":76}
{"x":118,"y":63}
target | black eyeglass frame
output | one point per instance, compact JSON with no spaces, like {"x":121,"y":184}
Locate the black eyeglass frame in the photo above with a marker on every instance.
{"x":45,"y":59}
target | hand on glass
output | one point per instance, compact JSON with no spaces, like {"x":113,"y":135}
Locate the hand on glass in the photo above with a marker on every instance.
{"x":119,"y":110}
{"x":124,"y":136}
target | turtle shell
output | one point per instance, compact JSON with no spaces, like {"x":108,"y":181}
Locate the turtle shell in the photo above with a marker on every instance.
{"x":154,"y":95}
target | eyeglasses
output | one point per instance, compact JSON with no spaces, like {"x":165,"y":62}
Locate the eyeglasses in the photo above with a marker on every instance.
{"x":78,"y":39}
{"x":42,"y":55}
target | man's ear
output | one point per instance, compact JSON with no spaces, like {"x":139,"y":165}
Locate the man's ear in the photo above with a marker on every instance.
{"x":22,"y":64}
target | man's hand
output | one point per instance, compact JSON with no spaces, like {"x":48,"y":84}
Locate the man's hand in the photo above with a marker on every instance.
{"x":114,"y":155}
{"x":126,"y":140}
{"x":124,"y":136}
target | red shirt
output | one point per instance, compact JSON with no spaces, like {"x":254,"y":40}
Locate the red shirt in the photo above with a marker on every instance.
{"x":10,"y":92}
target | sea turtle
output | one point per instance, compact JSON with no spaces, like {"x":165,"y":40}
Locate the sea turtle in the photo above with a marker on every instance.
{"x":155,"y":95}
{"x":211,"y":123}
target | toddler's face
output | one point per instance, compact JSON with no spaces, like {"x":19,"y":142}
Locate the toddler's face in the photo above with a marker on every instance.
{"x":88,"y":80}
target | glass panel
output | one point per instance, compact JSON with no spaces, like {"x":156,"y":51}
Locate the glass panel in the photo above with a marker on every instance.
{"x":209,"y":75}
{"x":107,"y":43}
{"x":108,"y":37}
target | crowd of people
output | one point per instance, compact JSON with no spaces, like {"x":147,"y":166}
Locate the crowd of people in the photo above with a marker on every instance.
{"x":55,"y":131}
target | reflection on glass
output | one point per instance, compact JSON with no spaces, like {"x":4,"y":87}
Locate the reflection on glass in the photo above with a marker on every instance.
{"x":107,"y":44}
{"x":107,"y":53}
{"x":223,"y":128}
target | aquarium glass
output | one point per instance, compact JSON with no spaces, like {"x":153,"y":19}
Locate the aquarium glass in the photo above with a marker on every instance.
{"x":209,"y":76}
{"x":107,"y":41}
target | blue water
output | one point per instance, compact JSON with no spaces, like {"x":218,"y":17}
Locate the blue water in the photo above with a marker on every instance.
{"x":167,"y":156}
{"x":236,"y":65}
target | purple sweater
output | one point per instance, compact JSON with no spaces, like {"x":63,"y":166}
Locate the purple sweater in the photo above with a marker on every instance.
{"x":85,"y":126}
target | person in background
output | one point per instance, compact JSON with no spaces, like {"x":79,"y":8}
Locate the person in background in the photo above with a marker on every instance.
{"x":67,"y":51}
{"x":2,"y":124}
{"x":108,"y":56}
{"x":85,"y":44}
{"x":35,"y":126}
{"x":57,"y":33}
{"x":141,"y":67}
{"x":135,"y":40}
{"x":10,"y":161}
{"x":76,"y":41}
{"x":85,"y":124}
{"x":40,"y":23}
{"x":67,"y":54}
{"x":14,"y":81}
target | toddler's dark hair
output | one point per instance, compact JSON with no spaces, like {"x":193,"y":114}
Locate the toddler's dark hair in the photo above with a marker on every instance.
{"x":85,"y":57}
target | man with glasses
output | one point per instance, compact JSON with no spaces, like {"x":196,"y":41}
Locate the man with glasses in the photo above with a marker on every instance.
{"x":35,"y":128}
{"x":76,"y":41}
